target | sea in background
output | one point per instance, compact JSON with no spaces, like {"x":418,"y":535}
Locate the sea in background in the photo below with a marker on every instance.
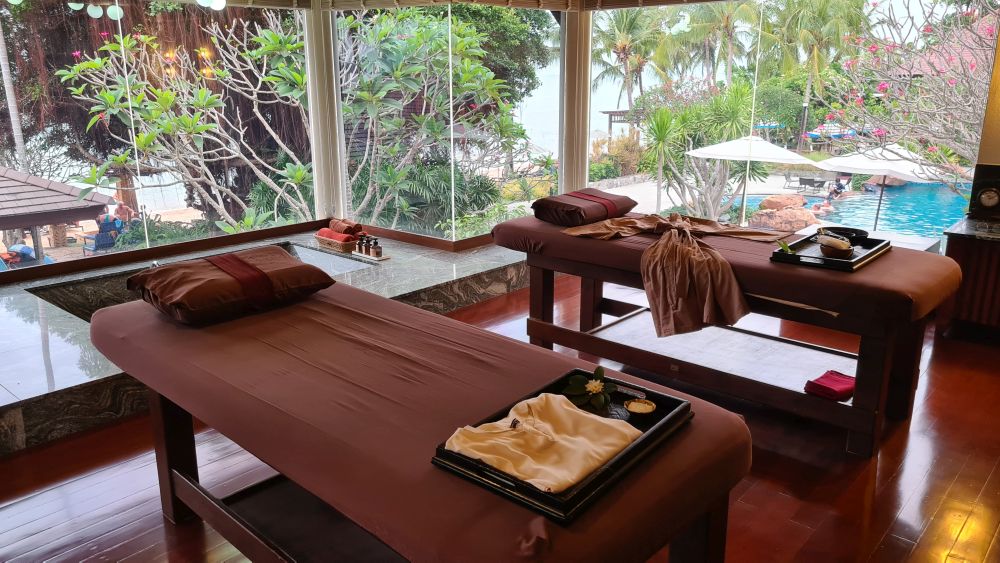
{"x":539,"y":112}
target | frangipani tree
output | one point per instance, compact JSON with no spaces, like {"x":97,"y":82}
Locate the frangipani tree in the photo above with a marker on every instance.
{"x":168,"y":105}
{"x":208,"y":116}
{"x":413,"y":87}
{"x":921,"y":80}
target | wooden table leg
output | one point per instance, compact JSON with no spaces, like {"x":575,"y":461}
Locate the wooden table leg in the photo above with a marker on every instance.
{"x":173,"y":435}
{"x":542,"y":301}
{"x":591,"y":294}
{"x":905,"y":370}
{"x":870,"y":390}
{"x":704,"y":540}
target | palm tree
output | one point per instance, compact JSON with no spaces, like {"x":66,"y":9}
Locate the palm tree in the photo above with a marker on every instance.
{"x":623,"y":43}
{"x":727,"y":27}
{"x":10,"y":94}
{"x":659,"y":140}
{"x":700,"y":185}
{"x":20,"y":152}
{"x":809,"y":35}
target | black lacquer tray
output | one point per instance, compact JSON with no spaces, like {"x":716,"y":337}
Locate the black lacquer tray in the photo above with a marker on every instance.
{"x":671,"y":414}
{"x":807,"y":253}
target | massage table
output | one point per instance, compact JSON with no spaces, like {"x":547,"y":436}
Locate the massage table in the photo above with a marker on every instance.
{"x":887,"y":303}
{"x":346,"y":394}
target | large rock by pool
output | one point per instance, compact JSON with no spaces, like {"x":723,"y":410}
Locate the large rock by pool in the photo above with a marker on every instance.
{"x":781,"y":201}
{"x":787,"y":219}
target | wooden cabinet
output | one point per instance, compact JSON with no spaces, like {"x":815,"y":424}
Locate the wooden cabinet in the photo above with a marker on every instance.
{"x":975,"y":245}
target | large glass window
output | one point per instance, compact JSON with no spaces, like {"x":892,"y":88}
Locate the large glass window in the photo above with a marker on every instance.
{"x":897,"y":86}
{"x":190,"y":120}
{"x":450,"y":115}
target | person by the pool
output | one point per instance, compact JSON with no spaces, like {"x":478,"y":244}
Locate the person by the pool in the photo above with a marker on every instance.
{"x":837,"y":189}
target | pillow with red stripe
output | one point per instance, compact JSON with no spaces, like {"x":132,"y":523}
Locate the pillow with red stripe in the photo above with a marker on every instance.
{"x":581,"y":207}
{"x":227,"y":286}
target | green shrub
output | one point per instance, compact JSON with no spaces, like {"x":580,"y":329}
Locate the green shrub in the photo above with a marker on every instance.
{"x":163,"y":232}
{"x":858,"y":181}
{"x":602,"y":170}
{"x":475,"y":224}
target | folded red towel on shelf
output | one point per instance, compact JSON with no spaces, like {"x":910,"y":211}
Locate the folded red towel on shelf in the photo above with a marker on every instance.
{"x":341,"y":237}
{"x":345,"y":226}
{"x":832,"y":385}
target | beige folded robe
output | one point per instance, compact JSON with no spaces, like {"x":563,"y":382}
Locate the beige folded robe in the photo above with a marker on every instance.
{"x":553,"y":445}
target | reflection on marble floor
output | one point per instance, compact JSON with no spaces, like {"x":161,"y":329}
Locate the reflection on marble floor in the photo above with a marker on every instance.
{"x":44,"y":348}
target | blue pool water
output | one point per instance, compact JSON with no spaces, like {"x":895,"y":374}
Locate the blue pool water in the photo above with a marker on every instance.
{"x":914,"y":209}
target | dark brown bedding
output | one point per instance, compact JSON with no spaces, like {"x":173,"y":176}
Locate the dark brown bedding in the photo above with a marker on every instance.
{"x":902,"y":285}
{"x":348,"y":394}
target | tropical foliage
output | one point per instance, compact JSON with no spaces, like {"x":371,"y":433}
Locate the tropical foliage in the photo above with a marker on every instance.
{"x":915,"y":74}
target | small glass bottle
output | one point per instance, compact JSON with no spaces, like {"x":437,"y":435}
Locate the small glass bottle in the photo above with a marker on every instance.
{"x":361,"y":244}
{"x":367,"y":250}
{"x":376,"y":249}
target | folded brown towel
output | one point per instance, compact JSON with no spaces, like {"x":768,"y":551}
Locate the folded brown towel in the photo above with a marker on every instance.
{"x":581,"y":207}
{"x":345,"y":226}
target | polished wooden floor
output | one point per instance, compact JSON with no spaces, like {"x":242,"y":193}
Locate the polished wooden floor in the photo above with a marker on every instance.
{"x":933,"y":494}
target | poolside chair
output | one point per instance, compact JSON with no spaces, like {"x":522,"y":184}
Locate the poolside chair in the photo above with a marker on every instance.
{"x":788,"y":179}
{"x":108,"y":229}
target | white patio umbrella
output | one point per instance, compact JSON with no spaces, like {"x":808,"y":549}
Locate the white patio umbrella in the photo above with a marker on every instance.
{"x":890,"y":160}
{"x":747,"y":149}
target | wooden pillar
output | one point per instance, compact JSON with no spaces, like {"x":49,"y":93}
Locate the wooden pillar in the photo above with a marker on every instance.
{"x":871,"y":389}
{"x":542,"y":299}
{"x":36,"y":241}
{"x":704,"y":540}
{"x":173,"y":438}
{"x":591,"y":294}
{"x":329,"y":159}
{"x":575,"y":116}
{"x":905,"y":370}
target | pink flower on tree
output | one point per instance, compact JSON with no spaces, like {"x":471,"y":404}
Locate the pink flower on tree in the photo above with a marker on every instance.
{"x":879,"y":132}
{"x":990,"y":30}
{"x":952,"y":82}
{"x":890,"y":47}
{"x":873,"y":48}
{"x":972,"y":66}
{"x":928,"y":29}
{"x":104,"y":34}
{"x":850,"y":63}
{"x":882,"y":87}
{"x":932,"y":148}
{"x":77,"y":55}
{"x":859,"y":101}
{"x":830,"y":117}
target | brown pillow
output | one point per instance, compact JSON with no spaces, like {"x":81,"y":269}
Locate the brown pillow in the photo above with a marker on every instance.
{"x":227,"y":286}
{"x":581,"y":207}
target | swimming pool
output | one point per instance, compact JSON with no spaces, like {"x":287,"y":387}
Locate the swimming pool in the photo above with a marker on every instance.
{"x":914,"y":209}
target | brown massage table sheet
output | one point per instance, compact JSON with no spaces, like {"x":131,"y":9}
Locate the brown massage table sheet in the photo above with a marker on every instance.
{"x":903,"y":284}
{"x":348,"y":393}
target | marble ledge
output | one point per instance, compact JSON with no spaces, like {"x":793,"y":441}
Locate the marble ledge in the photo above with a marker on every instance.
{"x":55,"y":383}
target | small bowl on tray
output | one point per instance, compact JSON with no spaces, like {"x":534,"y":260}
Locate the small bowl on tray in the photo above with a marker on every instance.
{"x":850,"y":233}
{"x":841,"y":253}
